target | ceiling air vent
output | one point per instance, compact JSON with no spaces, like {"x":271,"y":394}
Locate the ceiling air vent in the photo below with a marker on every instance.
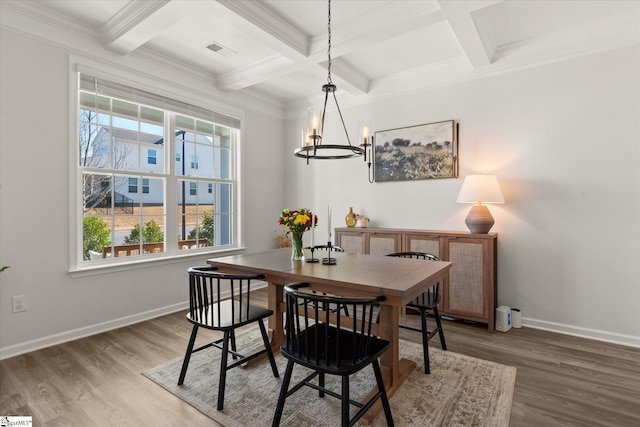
{"x":215,"y":47}
{"x":221,"y":50}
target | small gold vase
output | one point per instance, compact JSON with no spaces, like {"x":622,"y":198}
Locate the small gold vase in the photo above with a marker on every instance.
{"x":350,"y":219}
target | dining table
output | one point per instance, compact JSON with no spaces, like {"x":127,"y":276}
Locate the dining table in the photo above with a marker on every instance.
{"x":399,"y":280}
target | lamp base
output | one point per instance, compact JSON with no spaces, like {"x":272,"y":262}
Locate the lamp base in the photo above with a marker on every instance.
{"x":479,"y":220}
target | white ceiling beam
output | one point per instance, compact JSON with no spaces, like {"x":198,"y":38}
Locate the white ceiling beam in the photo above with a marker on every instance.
{"x":254,"y":73}
{"x":392,"y":20}
{"x":348,"y":77}
{"x":380,"y":24}
{"x":286,"y":40}
{"x":138,"y":22}
{"x":289,"y":41}
{"x":275,"y":32}
{"x":475,"y":38}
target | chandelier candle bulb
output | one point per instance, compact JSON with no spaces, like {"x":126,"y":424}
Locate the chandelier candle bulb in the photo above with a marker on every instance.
{"x":365,"y":133}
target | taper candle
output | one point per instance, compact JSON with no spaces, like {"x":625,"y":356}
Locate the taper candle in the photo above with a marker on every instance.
{"x":313,"y":228}
{"x":329,"y":221}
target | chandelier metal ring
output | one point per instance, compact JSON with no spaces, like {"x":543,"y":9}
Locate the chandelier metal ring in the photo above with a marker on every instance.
{"x":314,"y":148}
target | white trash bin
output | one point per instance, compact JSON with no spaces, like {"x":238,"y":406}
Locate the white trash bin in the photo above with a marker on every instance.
{"x":516,"y":318}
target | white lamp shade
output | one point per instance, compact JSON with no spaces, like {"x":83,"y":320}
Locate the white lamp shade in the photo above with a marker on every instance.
{"x":480,"y":189}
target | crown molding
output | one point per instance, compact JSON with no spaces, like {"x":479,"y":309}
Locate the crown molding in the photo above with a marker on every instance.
{"x":44,"y":14}
{"x":57,"y":30}
{"x":595,"y":36}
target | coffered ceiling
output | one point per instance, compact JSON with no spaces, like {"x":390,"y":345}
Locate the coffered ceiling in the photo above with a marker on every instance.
{"x":278,"y":48}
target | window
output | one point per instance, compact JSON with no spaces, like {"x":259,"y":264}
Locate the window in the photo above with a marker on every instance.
{"x":117,"y":126}
{"x":133,"y":185}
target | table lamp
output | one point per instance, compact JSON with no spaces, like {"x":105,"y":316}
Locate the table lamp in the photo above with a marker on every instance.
{"x":480,"y":189}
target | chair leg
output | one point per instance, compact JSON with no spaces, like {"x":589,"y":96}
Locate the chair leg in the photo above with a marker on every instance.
{"x":436,"y":314}
{"x":345,"y":401}
{"x":267,"y":346}
{"x":383,"y":397}
{"x":346,"y":310}
{"x":187,"y":355}
{"x":321,"y":383}
{"x":223,"y":369}
{"x":233,"y":344}
{"x":425,"y":341}
{"x":283,"y":394}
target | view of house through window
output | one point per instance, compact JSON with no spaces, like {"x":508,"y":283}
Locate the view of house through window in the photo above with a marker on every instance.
{"x":125,"y":177}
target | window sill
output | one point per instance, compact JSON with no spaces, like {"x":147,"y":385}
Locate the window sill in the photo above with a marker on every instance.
{"x":109,"y":266}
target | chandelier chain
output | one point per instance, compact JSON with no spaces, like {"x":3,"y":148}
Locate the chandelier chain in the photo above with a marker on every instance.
{"x":329,"y":44}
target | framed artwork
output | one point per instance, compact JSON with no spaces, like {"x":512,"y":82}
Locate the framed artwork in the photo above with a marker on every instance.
{"x":427,"y":151}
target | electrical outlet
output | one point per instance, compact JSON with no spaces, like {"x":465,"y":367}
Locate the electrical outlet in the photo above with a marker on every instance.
{"x":19,"y":303}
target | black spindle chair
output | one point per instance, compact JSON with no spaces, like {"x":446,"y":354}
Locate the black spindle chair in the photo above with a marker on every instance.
{"x":335,"y":249}
{"x":426,"y":302}
{"x":319,"y":339}
{"x":207,"y":309}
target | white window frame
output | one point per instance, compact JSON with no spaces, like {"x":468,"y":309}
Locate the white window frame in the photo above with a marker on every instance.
{"x":193,"y":99}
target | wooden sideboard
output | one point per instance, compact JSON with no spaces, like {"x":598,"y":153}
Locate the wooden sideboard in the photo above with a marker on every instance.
{"x":470,"y":292}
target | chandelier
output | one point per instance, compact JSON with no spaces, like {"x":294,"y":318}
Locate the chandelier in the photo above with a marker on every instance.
{"x":313,"y":146}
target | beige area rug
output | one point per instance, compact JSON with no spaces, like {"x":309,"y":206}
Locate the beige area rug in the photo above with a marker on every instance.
{"x":460,"y":391}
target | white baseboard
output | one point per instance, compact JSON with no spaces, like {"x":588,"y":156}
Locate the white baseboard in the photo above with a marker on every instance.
{"x":40,"y":343}
{"x":74,"y":334}
{"x":576,"y":331}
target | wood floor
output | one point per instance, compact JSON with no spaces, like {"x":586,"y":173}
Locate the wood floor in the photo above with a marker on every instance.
{"x":97,"y":381}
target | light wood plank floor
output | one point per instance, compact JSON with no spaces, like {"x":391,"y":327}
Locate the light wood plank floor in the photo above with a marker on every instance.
{"x":97,"y":381}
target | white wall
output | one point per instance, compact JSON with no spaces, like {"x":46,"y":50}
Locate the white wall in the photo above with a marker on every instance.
{"x":564,"y":141}
{"x":35,"y":202}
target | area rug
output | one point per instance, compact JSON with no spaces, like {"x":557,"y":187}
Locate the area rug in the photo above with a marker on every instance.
{"x":460,"y":391}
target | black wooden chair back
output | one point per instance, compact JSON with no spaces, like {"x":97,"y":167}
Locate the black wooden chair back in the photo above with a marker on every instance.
{"x":222,"y":302}
{"x":318,"y":338}
{"x":426,"y":302}
{"x":431,"y":297}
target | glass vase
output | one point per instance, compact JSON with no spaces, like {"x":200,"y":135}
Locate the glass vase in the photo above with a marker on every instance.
{"x":297,"y":254}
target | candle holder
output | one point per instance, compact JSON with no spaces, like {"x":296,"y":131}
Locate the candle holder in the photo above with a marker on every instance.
{"x":312,"y":259}
{"x":328,"y":260}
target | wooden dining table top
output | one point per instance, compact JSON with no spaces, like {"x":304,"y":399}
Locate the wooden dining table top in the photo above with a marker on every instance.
{"x":399,"y":279}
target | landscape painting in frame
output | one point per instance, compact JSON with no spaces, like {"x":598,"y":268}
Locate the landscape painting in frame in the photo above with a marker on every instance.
{"x":417,"y":152}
